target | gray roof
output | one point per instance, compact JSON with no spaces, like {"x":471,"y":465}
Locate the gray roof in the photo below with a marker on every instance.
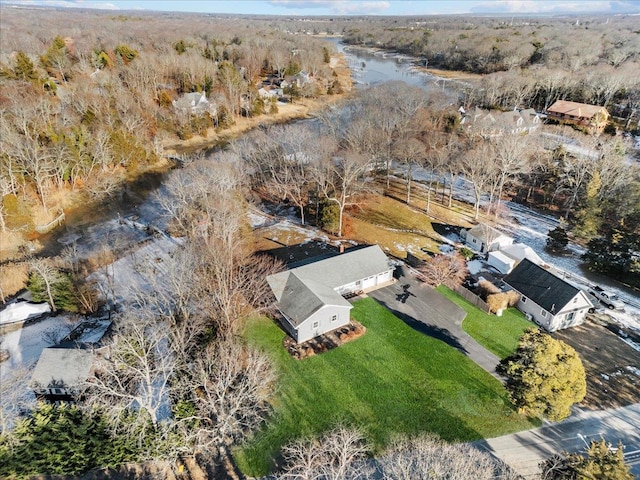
{"x":303,"y":290}
{"x":486,"y":233}
{"x":62,"y":367}
{"x":300,"y":299}
{"x":541,"y":286}
{"x":336,"y":271}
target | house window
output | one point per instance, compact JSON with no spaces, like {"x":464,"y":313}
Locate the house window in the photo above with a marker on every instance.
{"x":524,"y":299}
{"x":315,"y":324}
{"x":543,"y":312}
{"x":334,"y":318}
{"x":570,"y":316}
{"x":57,"y":391}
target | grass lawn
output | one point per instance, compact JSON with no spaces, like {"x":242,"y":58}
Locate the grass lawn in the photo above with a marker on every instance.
{"x":392,"y":380}
{"x":394,"y":225}
{"x":497,"y":334}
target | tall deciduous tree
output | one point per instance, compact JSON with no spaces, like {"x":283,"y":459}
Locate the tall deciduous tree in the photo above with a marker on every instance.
{"x":449,"y":270}
{"x":545,"y":376}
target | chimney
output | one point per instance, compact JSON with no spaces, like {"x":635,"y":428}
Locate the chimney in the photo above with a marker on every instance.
{"x":341,"y":248}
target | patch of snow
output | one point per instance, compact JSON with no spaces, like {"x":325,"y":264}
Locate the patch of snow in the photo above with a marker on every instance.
{"x":446,"y":248}
{"x":25,"y":345}
{"x":605,"y":376}
{"x":19,"y":311}
{"x":634,"y":370}
{"x":256,"y":220}
{"x":476,"y":266}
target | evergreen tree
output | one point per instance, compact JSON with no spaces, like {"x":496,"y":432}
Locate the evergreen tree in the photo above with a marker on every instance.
{"x":600,"y":462}
{"x":589,"y":215}
{"x":557,"y":239}
{"x":545,"y":376}
{"x":60,"y":440}
{"x":23,"y":67}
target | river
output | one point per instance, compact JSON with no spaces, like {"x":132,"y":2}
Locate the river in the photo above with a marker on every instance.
{"x":138,"y":199}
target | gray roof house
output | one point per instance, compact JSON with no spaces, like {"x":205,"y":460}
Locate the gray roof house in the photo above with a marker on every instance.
{"x":60,"y":372}
{"x":546,"y":298}
{"x":484,"y":238}
{"x":194,"y":103}
{"x":311,"y":297}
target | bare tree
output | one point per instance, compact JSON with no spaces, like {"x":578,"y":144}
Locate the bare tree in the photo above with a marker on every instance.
{"x":410,"y":152}
{"x":49,"y":274}
{"x":136,"y":373}
{"x":426,"y":458}
{"x":338,"y":454}
{"x":15,"y":397}
{"x":230,"y":386}
{"x":479,"y":172}
{"x":449,"y":270}
{"x":341,"y":180}
{"x":511,"y":160}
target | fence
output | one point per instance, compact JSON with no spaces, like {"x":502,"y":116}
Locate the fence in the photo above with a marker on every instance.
{"x":42,"y":229}
{"x":473,"y":298}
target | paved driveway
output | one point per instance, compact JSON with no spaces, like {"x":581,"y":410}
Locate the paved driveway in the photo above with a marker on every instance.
{"x":424,"y":309}
{"x":525,"y":450}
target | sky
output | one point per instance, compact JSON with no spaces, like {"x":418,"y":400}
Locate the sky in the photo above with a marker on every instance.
{"x":352,"y":7}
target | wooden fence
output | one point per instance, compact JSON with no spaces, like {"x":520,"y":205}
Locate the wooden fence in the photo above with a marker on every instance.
{"x":473,"y":298}
{"x":42,"y":229}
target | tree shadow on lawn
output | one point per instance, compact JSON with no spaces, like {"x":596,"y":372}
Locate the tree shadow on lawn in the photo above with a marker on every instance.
{"x":438,"y":333}
{"x":381,"y":411}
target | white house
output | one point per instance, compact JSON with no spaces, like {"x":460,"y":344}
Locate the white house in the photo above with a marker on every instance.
{"x":549,"y":300}
{"x":60,"y":372}
{"x":194,"y":103}
{"x":484,"y":238}
{"x":311,"y":297}
{"x":509,"y":256}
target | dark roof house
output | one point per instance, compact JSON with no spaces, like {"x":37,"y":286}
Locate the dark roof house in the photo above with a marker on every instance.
{"x":550,"y":301}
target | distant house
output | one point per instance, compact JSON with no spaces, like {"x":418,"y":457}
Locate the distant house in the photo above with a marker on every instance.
{"x":505,"y":259}
{"x":195,"y":103}
{"x":494,"y":123}
{"x":484,"y":238}
{"x":550,"y":301}
{"x":311,"y":297}
{"x":60,"y":373}
{"x":592,"y":117}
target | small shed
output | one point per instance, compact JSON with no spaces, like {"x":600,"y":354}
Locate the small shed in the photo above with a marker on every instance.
{"x":484,"y":238}
{"x":60,"y":373}
{"x":501,"y":262}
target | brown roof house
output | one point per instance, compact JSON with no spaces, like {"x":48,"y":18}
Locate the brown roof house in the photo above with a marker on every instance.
{"x":591,"y":117}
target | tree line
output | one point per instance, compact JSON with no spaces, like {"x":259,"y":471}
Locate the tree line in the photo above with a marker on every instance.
{"x":87,"y":106}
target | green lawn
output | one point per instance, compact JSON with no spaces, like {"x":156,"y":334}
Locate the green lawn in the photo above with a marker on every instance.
{"x":392,"y":380}
{"x":497,"y":334}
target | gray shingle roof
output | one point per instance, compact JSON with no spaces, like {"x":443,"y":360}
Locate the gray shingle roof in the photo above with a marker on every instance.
{"x":62,"y":367}
{"x":301,"y":299}
{"x":541,"y":286}
{"x":336,"y":271}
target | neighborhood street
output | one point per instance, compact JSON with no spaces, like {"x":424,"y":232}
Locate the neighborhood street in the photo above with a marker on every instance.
{"x":523,"y":451}
{"x":427,"y":311}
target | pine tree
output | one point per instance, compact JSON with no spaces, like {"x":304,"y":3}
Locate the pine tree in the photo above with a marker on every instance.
{"x":545,"y":376}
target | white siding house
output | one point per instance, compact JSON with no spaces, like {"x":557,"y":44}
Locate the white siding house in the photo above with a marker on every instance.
{"x":550,"y":301}
{"x":484,"y":238}
{"x":311,"y":297}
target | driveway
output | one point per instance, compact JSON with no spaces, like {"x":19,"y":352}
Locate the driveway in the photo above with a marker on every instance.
{"x":525,"y":450}
{"x":425,"y":310}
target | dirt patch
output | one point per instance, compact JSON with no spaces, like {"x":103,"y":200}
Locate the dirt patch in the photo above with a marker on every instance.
{"x":612,"y":366}
{"x":324,"y":343}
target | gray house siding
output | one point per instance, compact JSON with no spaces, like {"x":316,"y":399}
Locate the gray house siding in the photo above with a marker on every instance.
{"x":322,"y":321}
{"x":571,"y":315}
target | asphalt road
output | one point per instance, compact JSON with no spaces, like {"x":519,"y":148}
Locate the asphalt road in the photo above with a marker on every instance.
{"x":523,"y":451}
{"x":427,"y":311}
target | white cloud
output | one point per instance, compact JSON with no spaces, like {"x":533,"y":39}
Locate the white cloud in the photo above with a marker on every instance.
{"x":533,"y":6}
{"x":64,"y":4}
{"x":337,"y":7}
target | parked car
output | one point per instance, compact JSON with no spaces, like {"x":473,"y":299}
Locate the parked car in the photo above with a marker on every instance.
{"x":610,"y":299}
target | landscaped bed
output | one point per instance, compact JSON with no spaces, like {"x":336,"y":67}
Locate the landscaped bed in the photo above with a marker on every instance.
{"x":392,"y":380}
{"x":499,"y":335}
